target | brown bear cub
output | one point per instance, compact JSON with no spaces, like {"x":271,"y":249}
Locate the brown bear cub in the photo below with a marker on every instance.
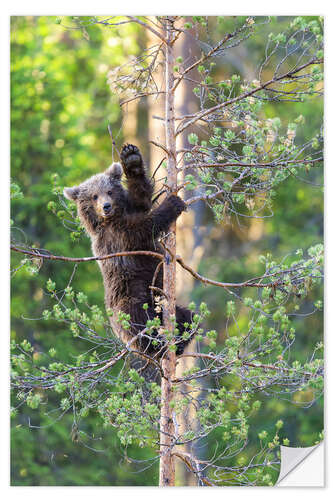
{"x":119,"y":220}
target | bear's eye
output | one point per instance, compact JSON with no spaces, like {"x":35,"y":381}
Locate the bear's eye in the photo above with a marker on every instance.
{"x":95,"y":196}
{"x":110,"y":193}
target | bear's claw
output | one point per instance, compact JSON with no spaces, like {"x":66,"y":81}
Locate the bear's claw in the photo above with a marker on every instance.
{"x":128,"y":149}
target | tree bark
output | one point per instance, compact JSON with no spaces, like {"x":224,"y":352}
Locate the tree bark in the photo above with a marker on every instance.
{"x":167,"y":428}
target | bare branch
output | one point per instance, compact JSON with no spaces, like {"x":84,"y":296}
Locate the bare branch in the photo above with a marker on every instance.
{"x":203,"y":58}
{"x":35,"y":252}
{"x":148,"y":27}
{"x":209,"y":111}
{"x":193,"y":465}
{"x":139,"y":96}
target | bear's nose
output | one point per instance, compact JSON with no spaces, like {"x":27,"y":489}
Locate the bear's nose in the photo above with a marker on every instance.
{"x":106,"y":207}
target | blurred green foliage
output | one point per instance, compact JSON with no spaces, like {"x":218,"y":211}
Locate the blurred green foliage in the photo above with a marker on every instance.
{"x":60,"y":109}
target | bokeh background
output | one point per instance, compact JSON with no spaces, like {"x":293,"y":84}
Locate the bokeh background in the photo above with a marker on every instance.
{"x":61,"y":105}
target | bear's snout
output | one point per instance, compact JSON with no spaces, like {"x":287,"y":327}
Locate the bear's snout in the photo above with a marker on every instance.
{"x":107,"y":208}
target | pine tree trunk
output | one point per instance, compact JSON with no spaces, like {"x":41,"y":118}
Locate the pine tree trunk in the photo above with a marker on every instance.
{"x":167,"y":430}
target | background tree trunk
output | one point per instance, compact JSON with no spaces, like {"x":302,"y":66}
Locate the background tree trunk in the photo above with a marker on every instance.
{"x":189,"y":239}
{"x":156,"y":127}
{"x":130,"y":123}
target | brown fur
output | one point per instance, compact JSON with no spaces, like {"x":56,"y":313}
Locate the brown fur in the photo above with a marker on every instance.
{"x":128,"y":224}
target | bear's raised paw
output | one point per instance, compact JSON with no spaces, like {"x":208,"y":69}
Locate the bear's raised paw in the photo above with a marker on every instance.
{"x":131,"y":160}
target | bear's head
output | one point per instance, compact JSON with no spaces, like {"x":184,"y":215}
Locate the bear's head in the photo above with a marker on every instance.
{"x":100,"y":197}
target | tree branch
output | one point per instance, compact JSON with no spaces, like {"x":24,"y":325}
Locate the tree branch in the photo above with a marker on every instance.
{"x":189,"y":460}
{"x":146,"y":26}
{"x":249,"y":283}
{"x":138,"y":96}
{"x":271,"y":164}
{"x":244,"y":363}
{"x":203,"y":58}
{"x":224,"y":104}
{"x":35,"y":252}
{"x":252,"y":282}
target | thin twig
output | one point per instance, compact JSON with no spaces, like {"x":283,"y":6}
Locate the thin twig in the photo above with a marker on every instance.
{"x":146,"y":26}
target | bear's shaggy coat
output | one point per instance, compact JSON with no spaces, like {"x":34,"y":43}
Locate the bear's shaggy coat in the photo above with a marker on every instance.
{"x":120,"y":220}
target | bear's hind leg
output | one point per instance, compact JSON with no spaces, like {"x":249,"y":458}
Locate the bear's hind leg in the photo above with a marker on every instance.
{"x":183,"y":316}
{"x":152,"y":343}
{"x":149,"y":343}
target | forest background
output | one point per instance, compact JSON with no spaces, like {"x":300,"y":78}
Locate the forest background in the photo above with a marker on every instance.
{"x":61,"y":105}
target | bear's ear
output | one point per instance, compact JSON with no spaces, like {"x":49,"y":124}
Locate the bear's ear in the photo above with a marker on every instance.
{"x":71,"y":193}
{"x":115,"y":171}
